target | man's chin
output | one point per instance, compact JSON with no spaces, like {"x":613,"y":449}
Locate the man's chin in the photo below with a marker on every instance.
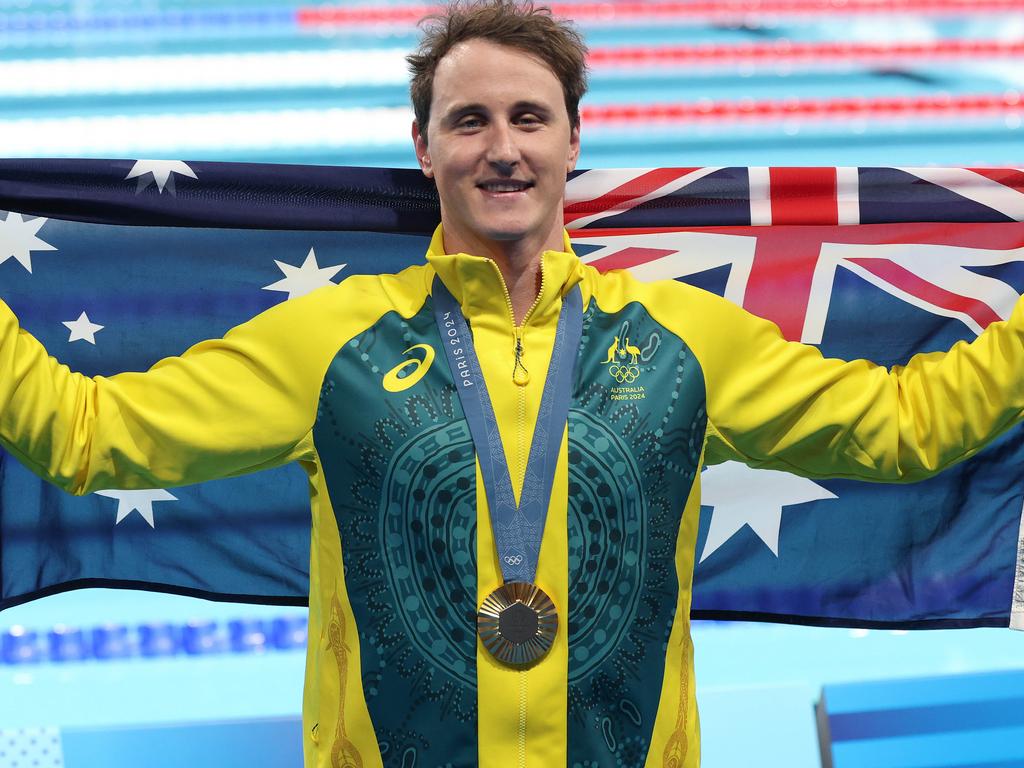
{"x":504,"y":229}
{"x":506,"y":234}
{"x":501,"y":231}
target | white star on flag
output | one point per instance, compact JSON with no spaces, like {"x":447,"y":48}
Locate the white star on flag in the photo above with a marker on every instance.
{"x":18,"y":239}
{"x":754,"y":497}
{"x":83,"y":329}
{"x":298,"y":281}
{"x":161,"y":170}
{"x":137,"y":501}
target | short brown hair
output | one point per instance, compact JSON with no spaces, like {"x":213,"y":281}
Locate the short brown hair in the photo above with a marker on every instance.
{"x":515,"y":23}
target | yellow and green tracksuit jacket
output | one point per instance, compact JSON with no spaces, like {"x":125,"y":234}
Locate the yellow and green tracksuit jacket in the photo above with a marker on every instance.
{"x":351,"y":382}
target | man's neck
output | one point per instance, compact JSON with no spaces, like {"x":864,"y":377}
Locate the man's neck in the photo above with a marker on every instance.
{"x":519,"y":262}
{"x":522,"y":278}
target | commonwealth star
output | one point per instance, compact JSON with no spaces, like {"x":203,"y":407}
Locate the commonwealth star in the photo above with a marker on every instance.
{"x":753,"y":497}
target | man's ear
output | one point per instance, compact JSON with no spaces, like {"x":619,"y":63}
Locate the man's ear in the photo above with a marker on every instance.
{"x":419,"y":143}
{"x":574,"y":148}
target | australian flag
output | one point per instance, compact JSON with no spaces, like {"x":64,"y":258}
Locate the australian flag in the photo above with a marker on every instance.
{"x":116,"y":264}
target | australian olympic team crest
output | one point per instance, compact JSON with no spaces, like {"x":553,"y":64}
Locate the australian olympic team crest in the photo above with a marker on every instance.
{"x":627,"y":361}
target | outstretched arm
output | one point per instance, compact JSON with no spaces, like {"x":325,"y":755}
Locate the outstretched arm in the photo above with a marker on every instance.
{"x":779,"y":404}
{"x":225,"y":407}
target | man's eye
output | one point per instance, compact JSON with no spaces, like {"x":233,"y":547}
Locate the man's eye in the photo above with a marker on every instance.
{"x":529,"y":119}
{"x":470,"y":122}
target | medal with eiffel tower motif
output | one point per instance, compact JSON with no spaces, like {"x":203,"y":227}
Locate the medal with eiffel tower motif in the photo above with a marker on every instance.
{"x":518,"y":621}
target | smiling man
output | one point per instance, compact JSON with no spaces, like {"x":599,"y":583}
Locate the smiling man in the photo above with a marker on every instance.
{"x":503,"y":446}
{"x":505,"y":133}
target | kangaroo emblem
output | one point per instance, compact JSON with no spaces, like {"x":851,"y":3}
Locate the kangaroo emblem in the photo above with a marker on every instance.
{"x":631,"y":350}
{"x":624,"y":364}
{"x":613,"y":350}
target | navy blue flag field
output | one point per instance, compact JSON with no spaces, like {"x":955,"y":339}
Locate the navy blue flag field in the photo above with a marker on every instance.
{"x":115,"y":264}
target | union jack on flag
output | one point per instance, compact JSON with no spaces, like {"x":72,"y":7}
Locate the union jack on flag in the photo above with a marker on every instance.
{"x":114,"y":264}
{"x":925,"y":265}
{"x":864,"y":262}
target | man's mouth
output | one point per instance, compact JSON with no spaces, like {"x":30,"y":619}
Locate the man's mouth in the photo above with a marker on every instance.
{"x":504,"y":186}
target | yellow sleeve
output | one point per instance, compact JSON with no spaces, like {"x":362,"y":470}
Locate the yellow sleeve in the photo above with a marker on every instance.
{"x":226,"y":407}
{"x":779,"y":404}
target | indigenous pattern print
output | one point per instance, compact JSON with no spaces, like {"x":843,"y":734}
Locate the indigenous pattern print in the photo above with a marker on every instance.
{"x":634,"y":451}
{"x":678,"y":746}
{"x":410,"y":570}
{"x":343,"y":752}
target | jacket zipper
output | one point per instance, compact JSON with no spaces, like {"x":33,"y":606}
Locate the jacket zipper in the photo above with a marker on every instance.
{"x":521,"y":377}
{"x":520,"y":374}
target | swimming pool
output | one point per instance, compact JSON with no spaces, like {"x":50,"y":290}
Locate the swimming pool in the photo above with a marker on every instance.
{"x":279,"y":82}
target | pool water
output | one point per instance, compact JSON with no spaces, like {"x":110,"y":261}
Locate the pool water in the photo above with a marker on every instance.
{"x":253,"y":82}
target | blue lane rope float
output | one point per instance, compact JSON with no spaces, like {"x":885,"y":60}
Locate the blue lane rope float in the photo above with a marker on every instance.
{"x":110,"y":642}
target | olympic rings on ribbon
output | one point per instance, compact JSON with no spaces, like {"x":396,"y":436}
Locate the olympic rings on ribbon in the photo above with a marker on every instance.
{"x":624,"y":374}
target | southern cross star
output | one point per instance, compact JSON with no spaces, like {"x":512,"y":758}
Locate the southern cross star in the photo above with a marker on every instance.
{"x":137,"y":501}
{"x":82,"y":329}
{"x":298,"y":281}
{"x":18,"y":239}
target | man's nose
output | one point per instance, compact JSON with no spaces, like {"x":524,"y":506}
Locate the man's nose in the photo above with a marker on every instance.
{"x":503,"y":151}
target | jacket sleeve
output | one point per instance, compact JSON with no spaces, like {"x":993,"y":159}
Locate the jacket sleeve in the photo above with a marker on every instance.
{"x":225,"y":407}
{"x":778,"y":404}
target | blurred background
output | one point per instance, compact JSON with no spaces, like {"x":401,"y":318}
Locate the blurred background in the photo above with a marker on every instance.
{"x":782,"y":82}
{"x":778,"y":82}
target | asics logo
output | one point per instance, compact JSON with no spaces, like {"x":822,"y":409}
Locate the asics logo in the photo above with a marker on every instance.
{"x":414,"y":369}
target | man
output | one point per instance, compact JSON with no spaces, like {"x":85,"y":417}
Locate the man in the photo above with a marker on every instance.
{"x":503,"y":446}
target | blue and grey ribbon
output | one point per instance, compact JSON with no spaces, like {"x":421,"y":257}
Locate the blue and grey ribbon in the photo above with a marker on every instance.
{"x":517,"y":529}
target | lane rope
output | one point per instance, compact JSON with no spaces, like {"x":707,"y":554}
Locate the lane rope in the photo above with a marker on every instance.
{"x":887,"y":107}
{"x":802,"y":53}
{"x":708,"y":11}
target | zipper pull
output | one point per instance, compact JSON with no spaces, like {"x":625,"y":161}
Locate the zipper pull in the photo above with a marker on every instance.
{"x":520,"y":375}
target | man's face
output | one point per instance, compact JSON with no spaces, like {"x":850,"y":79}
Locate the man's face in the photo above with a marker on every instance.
{"x":500,"y":145}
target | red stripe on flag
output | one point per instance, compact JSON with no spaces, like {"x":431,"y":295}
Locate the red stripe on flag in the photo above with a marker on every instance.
{"x":1008,"y":176}
{"x":779,"y":287}
{"x":629,"y":257}
{"x":803,"y":196}
{"x":785,"y":258}
{"x":907,"y":281}
{"x":617,"y":198}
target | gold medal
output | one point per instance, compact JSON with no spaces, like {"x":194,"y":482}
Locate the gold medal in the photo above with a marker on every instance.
{"x":517,"y":623}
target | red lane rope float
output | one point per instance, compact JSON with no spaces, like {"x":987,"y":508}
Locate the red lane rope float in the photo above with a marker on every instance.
{"x":801,"y":53}
{"x":978,"y":105}
{"x":672,"y":10}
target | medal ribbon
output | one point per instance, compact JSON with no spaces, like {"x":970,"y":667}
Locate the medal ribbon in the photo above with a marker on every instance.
{"x":517,"y":529}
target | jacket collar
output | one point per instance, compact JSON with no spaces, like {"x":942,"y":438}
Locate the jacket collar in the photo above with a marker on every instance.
{"x":476,"y":282}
